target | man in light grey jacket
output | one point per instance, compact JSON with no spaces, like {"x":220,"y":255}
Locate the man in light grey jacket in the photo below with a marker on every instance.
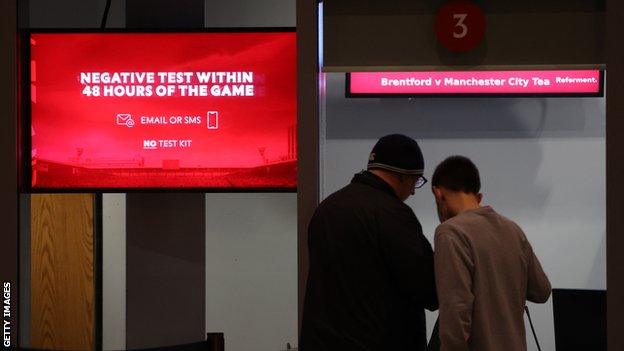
{"x":485,"y":268}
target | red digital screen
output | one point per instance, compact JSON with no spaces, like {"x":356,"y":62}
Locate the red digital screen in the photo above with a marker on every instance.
{"x":163,"y":110}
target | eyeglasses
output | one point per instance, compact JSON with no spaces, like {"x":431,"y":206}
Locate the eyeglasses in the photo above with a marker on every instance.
{"x":420,"y":182}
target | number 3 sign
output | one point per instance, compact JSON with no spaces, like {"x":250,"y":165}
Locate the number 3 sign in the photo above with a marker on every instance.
{"x":460,"y":25}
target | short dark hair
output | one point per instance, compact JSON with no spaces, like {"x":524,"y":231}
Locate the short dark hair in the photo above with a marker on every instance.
{"x":457,"y":173}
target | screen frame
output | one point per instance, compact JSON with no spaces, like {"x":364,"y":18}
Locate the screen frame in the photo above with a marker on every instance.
{"x":600,"y":93}
{"x":25,"y":112}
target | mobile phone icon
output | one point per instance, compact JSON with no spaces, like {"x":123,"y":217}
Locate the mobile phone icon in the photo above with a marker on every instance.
{"x":213,"y":119}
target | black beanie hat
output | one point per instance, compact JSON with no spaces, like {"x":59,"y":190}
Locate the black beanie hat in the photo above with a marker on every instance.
{"x":397,"y":153}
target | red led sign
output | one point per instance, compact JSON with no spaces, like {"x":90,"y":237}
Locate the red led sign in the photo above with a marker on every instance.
{"x":580,"y":82}
{"x":163,"y":110}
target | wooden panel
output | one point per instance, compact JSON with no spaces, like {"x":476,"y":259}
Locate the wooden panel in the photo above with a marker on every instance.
{"x":62,"y":283}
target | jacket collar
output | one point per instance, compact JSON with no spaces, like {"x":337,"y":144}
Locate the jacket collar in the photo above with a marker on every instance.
{"x":370,"y":179}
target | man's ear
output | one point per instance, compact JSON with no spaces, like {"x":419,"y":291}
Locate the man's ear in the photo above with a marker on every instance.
{"x":437,"y":192}
{"x":479,"y":198}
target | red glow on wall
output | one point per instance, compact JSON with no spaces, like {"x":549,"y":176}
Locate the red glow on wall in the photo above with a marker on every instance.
{"x":166,"y":110}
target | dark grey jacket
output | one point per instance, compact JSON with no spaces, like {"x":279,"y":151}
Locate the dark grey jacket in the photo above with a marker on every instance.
{"x":371,"y":272}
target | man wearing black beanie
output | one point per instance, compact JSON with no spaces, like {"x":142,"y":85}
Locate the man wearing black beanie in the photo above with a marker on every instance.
{"x":371,"y":269}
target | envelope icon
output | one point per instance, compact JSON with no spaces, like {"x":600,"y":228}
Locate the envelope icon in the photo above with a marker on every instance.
{"x":125,"y":119}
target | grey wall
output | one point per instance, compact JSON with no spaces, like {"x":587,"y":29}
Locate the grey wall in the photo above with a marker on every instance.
{"x":251,"y":270}
{"x":75,"y":13}
{"x":400,"y":33}
{"x":114,"y":271}
{"x":250,"y":13}
{"x":165,"y":269}
{"x":542,"y":163}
